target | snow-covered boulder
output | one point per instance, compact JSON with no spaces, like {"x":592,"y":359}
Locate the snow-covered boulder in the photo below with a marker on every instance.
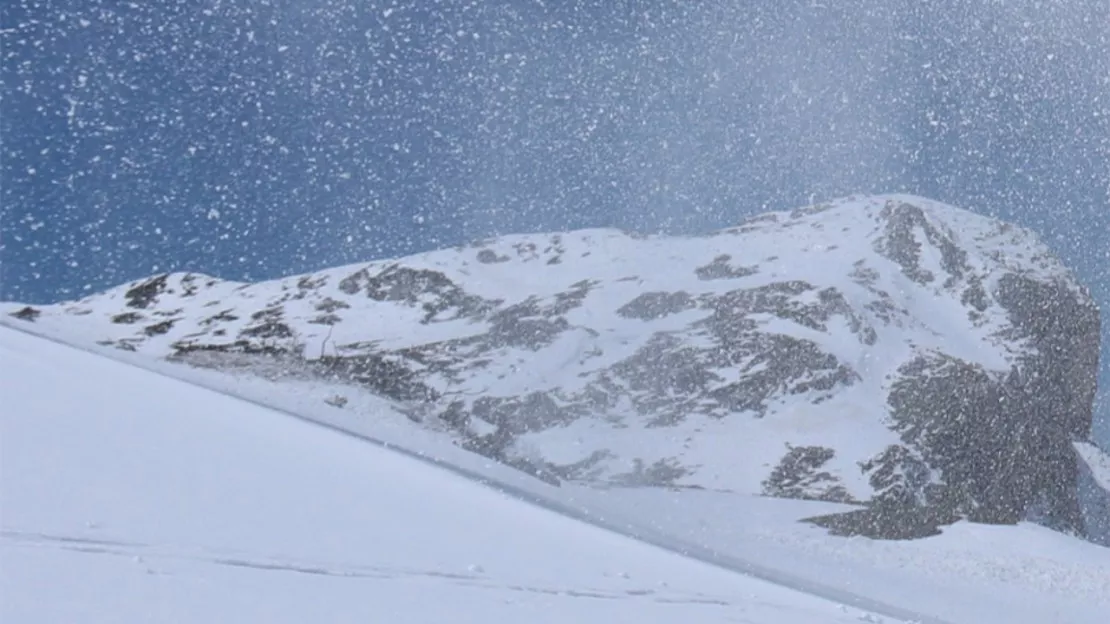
{"x":888,"y":350}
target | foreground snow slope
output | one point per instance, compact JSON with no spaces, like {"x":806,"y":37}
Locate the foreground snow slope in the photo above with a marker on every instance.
{"x":971,"y":573}
{"x":128,"y":496}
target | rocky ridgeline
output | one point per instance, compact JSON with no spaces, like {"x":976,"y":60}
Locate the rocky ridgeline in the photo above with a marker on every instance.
{"x":926,"y":361}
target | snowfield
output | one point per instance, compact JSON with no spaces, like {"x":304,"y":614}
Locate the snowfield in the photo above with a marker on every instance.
{"x":221,"y":496}
{"x":131,"y":497}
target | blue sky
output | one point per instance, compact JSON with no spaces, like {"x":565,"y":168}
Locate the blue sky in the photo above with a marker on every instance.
{"x":250,"y":139}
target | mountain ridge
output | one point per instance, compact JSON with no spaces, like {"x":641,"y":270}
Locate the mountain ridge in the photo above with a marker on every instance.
{"x":889,"y":350}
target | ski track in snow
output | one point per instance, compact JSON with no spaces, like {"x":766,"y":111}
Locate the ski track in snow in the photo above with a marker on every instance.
{"x":153,"y":557}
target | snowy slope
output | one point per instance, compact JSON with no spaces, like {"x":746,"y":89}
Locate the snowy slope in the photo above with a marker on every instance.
{"x":132,"y":497}
{"x":971,"y":573}
{"x":828,"y":353}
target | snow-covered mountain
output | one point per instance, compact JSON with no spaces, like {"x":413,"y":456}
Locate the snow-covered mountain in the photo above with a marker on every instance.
{"x":888,"y":350}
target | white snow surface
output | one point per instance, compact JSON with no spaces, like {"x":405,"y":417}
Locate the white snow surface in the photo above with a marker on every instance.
{"x":971,"y":573}
{"x":131,"y":497}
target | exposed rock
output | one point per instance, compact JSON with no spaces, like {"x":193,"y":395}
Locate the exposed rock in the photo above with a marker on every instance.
{"x":158,"y":329}
{"x":127,"y":318}
{"x":799,"y":475}
{"x":489,"y":256}
{"x":526,"y":325}
{"x":430,"y":289}
{"x":26,"y":313}
{"x":384,"y":375}
{"x":882,"y":520}
{"x":720,"y":269}
{"x":330,"y":305}
{"x":900,"y":243}
{"x":143,"y":294}
{"x":268,"y":330}
{"x":654,"y":305}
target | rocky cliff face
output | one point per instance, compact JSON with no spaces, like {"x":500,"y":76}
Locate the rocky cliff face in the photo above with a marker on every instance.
{"x":889,"y":350}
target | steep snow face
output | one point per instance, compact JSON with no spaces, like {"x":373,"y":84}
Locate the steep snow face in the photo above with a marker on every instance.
{"x":886,"y":349}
